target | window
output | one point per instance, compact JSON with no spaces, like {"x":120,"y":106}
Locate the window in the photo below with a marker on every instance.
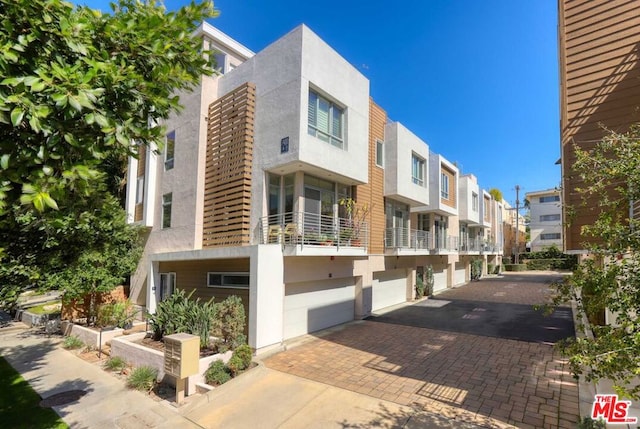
{"x":444,"y":185}
{"x":228,"y":280}
{"x":167,"y":284}
{"x":166,"y":210}
{"x":325,"y":120}
{"x":550,"y":217}
{"x":474,"y":201}
{"x":417,"y":169}
{"x":550,"y":198}
{"x":140,"y":190}
{"x":169,"y":149}
{"x":424,"y":222}
{"x":379,"y":154}
{"x":219,"y":60}
{"x":550,"y":236}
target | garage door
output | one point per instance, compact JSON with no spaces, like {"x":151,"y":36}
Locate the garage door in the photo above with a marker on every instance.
{"x":388,"y":288}
{"x":439,"y":279}
{"x":311,"y":306}
{"x":460,"y":273}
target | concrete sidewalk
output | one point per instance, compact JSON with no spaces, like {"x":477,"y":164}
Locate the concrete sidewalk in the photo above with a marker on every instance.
{"x":108,"y":403}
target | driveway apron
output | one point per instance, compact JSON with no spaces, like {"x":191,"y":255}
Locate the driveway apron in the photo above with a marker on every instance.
{"x":479,"y":354}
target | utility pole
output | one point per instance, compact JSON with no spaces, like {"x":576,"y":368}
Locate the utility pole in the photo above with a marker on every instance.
{"x":517,"y":223}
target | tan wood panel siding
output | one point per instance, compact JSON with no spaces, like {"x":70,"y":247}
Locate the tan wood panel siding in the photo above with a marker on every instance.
{"x":227,"y":193}
{"x":137,"y":216}
{"x":142,"y":168}
{"x":600,"y":86}
{"x":451,"y":201}
{"x":372,"y":193}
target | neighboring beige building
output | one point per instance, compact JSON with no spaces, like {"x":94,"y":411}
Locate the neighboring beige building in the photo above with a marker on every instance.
{"x":249,"y":196}
{"x":545,"y":208}
{"x":599,"y":90}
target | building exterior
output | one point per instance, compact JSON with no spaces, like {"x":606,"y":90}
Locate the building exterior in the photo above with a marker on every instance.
{"x":545,"y":208}
{"x":284,"y":183}
{"x":513,"y":243}
{"x":600,"y":90}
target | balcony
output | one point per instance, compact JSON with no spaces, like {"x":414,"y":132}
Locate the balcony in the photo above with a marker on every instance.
{"x":477,"y":247}
{"x":404,"y":241}
{"x":311,"y":234}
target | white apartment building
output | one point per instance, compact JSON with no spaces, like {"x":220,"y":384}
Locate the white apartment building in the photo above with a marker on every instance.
{"x":251,"y":196}
{"x":546,"y":219}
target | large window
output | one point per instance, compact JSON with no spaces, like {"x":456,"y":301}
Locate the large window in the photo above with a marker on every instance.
{"x":550,"y":236}
{"x":444,"y":185}
{"x":474,"y":202}
{"x":166,"y":210}
{"x":418,"y":170}
{"x":140,"y":190}
{"x":549,"y":217}
{"x":228,"y":280}
{"x":379,"y":153}
{"x":325,"y":120}
{"x":550,"y":199}
{"x":169,"y":150}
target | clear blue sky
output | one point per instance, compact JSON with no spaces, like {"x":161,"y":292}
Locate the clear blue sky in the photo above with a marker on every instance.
{"x":476,"y":80}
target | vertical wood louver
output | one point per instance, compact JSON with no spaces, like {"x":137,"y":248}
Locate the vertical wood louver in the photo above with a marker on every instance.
{"x":227,"y":190}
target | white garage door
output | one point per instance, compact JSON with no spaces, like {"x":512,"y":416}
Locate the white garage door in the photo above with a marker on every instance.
{"x":388,"y":288}
{"x":439,"y":279}
{"x":311,"y":306}
{"x":460,"y":273}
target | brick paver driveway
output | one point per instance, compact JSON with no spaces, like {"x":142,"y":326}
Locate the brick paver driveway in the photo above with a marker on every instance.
{"x":484,"y":379}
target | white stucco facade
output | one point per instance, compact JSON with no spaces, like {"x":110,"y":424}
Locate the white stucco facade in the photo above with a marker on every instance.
{"x":545,"y":210}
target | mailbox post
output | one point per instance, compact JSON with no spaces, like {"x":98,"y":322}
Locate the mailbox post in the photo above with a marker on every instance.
{"x":181,"y":359}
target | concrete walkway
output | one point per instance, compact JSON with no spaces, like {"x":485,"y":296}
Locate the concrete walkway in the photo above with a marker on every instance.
{"x":50,"y":369}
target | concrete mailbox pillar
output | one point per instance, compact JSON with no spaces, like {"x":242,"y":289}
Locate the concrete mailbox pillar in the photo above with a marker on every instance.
{"x":181,"y":359}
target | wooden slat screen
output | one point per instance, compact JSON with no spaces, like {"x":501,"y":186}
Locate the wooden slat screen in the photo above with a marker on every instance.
{"x":142,"y":168}
{"x":227,"y":191}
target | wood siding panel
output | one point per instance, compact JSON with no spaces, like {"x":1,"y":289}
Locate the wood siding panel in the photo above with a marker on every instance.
{"x":372,"y":193}
{"x":142,"y":170}
{"x":227,"y":190}
{"x":600,"y":87}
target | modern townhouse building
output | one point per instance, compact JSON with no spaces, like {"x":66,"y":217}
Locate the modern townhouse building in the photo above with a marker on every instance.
{"x":545,"y":209}
{"x":513,"y":242}
{"x":284,"y":183}
{"x":599,"y":91}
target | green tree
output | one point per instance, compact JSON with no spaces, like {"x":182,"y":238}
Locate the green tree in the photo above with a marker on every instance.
{"x":610,"y":174}
{"x":79,"y":87}
{"x":496,"y":194}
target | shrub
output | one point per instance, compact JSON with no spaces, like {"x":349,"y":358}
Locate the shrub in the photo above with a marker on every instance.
{"x":115,"y":363}
{"x":143,"y":378}
{"x":420,"y":288}
{"x":245,"y":354}
{"x":515,"y":267}
{"x":230,"y":322}
{"x":490,"y":268}
{"x":217,"y":373}
{"x":72,"y":342}
{"x":179,"y":313}
{"x":119,"y":314}
{"x":235,"y":365}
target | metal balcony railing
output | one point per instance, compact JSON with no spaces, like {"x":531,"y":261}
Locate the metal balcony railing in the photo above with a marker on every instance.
{"x":405,"y":238}
{"x":300,"y":228}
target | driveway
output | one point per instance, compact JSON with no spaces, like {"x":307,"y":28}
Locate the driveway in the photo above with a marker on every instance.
{"x":476,"y":354}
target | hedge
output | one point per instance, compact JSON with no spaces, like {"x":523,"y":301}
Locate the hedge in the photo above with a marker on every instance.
{"x":515,"y":267}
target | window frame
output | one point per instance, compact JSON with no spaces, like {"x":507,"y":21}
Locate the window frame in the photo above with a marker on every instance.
{"x":140,"y":190}
{"x":421,"y":168}
{"x":475,"y":202}
{"x":170,"y":274}
{"x":555,"y":217}
{"x":164,"y":224}
{"x":444,"y":185}
{"x":380,"y":153}
{"x":545,"y":236}
{"x":228,"y":273}
{"x":314,"y":130}
{"x":169,"y":158}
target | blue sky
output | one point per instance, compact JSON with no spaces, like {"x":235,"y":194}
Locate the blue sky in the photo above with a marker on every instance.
{"x":476,"y":80}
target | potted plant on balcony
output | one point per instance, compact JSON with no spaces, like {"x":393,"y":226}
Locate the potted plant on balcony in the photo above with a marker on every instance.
{"x":357,"y":216}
